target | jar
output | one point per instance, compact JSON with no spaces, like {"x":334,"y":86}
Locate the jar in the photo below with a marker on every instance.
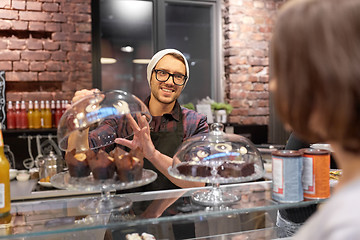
{"x":49,"y":166}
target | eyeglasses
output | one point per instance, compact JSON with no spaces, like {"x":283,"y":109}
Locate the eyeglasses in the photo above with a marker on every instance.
{"x":163,"y":76}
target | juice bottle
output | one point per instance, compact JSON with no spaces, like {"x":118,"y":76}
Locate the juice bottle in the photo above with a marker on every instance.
{"x":10,"y":116}
{"x":53,"y":109}
{"x":23,"y":116}
{"x":47,"y":115}
{"x":36,"y":115}
{"x":58,"y":112}
{"x":31,"y":115}
{"x":17,"y":114}
{"x":4,"y":180}
{"x":42,"y":114}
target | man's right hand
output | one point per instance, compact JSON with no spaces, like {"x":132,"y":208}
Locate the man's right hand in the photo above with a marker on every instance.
{"x":83,"y":93}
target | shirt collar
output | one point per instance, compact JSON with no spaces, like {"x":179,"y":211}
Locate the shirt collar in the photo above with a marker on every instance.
{"x":175,"y":112}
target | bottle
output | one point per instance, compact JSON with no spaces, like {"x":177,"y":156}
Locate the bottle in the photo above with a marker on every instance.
{"x":4,"y":180}
{"x":23,"y":116}
{"x":17,"y":114}
{"x":58,"y":112}
{"x":31,"y":115}
{"x":53,"y":109}
{"x":42,"y":114}
{"x":10,"y":116}
{"x":36,"y":115}
{"x":47,"y":115}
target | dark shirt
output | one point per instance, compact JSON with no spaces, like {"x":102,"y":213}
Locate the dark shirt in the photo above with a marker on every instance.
{"x":116,"y":127}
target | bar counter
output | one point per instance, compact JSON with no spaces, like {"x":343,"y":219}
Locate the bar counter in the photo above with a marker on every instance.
{"x":170,"y":214}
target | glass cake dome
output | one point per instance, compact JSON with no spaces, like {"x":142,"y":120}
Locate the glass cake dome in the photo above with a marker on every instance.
{"x":113,"y":107}
{"x":217,"y":157}
{"x":94,"y":122}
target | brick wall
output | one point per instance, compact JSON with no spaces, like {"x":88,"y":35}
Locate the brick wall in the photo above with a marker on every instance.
{"x":247,"y":26}
{"x":45,"y":48}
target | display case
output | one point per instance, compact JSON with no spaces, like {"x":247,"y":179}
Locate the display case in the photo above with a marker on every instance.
{"x":169,"y":214}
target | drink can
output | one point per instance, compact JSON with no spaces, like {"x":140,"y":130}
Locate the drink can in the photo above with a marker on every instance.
{"x":316,"y":173}
{"x":287,"y":171}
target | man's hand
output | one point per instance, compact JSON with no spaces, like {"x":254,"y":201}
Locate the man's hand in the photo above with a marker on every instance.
{"x":83,"y":93}
{"x":142,"y":139}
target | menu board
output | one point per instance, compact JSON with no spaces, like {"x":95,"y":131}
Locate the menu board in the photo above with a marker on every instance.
{"x":2,"y":99}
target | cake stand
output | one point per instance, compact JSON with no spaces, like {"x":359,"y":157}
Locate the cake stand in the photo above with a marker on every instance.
{"x":217,"y":158}
{"x":106,"y":203}
{"x":215,"y":196}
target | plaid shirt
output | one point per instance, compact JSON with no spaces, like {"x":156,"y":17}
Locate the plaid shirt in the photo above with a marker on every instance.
{"x":193,"y":123}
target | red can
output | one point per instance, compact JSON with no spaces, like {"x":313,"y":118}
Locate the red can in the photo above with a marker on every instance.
{"x":316,"y":173}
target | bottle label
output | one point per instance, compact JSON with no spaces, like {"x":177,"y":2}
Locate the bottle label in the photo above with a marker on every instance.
{"x":1,"y":139}
{"x":2,"y":195}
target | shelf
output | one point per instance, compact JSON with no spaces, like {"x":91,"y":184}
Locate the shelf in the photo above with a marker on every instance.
{"x":55,"y":216}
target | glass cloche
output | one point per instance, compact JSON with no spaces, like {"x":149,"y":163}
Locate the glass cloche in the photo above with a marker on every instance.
{"x":214,"y":158}
{"x":91,"y":111}
{"x":87,"y":131}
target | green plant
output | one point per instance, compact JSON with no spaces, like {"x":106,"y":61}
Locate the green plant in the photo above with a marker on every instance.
{"x":222,"y":106}
{"x":189,"y":106}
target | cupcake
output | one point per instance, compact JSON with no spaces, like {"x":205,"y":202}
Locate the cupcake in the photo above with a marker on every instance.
{"x":128,"y":165}
{"x":77,"y":164}
{"x":101,"y":164}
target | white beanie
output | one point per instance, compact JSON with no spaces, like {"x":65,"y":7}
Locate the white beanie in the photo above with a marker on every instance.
{"x":159,"y":55}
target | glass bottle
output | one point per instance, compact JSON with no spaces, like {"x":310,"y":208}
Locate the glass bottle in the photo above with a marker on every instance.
{"x":31,"y":115}
{"x":4,"y":180}
{"x":42,"y":114}
{"x":17,"y":114}
{"x":36,"y":115}
{"x":47,"y":115}
{"x":10,"y":116}
{"x":23,"y":116}
{"x":58,"y":112}
{"x":53,"y":109}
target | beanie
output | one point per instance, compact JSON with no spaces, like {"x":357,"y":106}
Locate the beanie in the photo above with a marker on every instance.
{"x":159,"y":55}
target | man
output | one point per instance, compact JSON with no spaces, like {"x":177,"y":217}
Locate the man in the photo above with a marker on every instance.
{"x":167,"y":75}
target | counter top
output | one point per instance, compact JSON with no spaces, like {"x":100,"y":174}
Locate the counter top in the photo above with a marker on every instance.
{"x":148,"y":211}
{"x":29,"y":190}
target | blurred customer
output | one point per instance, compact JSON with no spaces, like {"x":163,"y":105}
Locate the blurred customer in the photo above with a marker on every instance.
{"x":316,"y":85}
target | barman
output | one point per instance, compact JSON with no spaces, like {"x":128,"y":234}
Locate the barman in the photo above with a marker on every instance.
{"x":167,"y":75}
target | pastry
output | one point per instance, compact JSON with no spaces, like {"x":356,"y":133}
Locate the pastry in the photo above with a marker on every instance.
{"x":77,"y":164}
{"x":101,"y":164}
{"x":129,"y":166}
{"x":232,"y":169}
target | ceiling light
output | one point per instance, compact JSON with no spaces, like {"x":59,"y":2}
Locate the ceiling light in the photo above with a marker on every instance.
{"x":107,"y":60}
{"x":141,"y":61}
{"x":127,"y":49}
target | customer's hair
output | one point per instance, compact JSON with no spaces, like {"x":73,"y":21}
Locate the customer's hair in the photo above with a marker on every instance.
{"x":315,"y":61}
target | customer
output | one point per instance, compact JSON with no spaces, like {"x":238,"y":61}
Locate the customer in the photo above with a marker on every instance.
{"x":316,"y":85}
{"x":167,"y":75}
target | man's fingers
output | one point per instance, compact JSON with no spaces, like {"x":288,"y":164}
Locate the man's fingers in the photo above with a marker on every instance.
{"x":133,"y":124}
{"x":124,"y":142}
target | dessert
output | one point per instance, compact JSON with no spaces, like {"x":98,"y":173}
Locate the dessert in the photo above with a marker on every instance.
{"x":194,"y":170}
{"x":101,"y":164}
{"x":136,"y":236}
{"x":77,"y":164}
{"x":129,"y":166}
{"x":231,"y":169}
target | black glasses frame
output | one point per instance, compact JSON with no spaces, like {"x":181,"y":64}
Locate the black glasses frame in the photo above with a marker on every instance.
{"x":169,"y":75}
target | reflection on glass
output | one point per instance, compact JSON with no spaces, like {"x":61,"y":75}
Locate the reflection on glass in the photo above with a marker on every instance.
{"x":126,"y":35}
{"x":188,"y":28}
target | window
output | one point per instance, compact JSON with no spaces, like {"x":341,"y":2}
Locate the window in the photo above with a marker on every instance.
{"x":126,"y":33}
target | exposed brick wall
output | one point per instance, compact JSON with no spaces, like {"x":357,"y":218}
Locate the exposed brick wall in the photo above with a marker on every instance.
{"x":247,"y":26}
{"x":45,"y":48}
